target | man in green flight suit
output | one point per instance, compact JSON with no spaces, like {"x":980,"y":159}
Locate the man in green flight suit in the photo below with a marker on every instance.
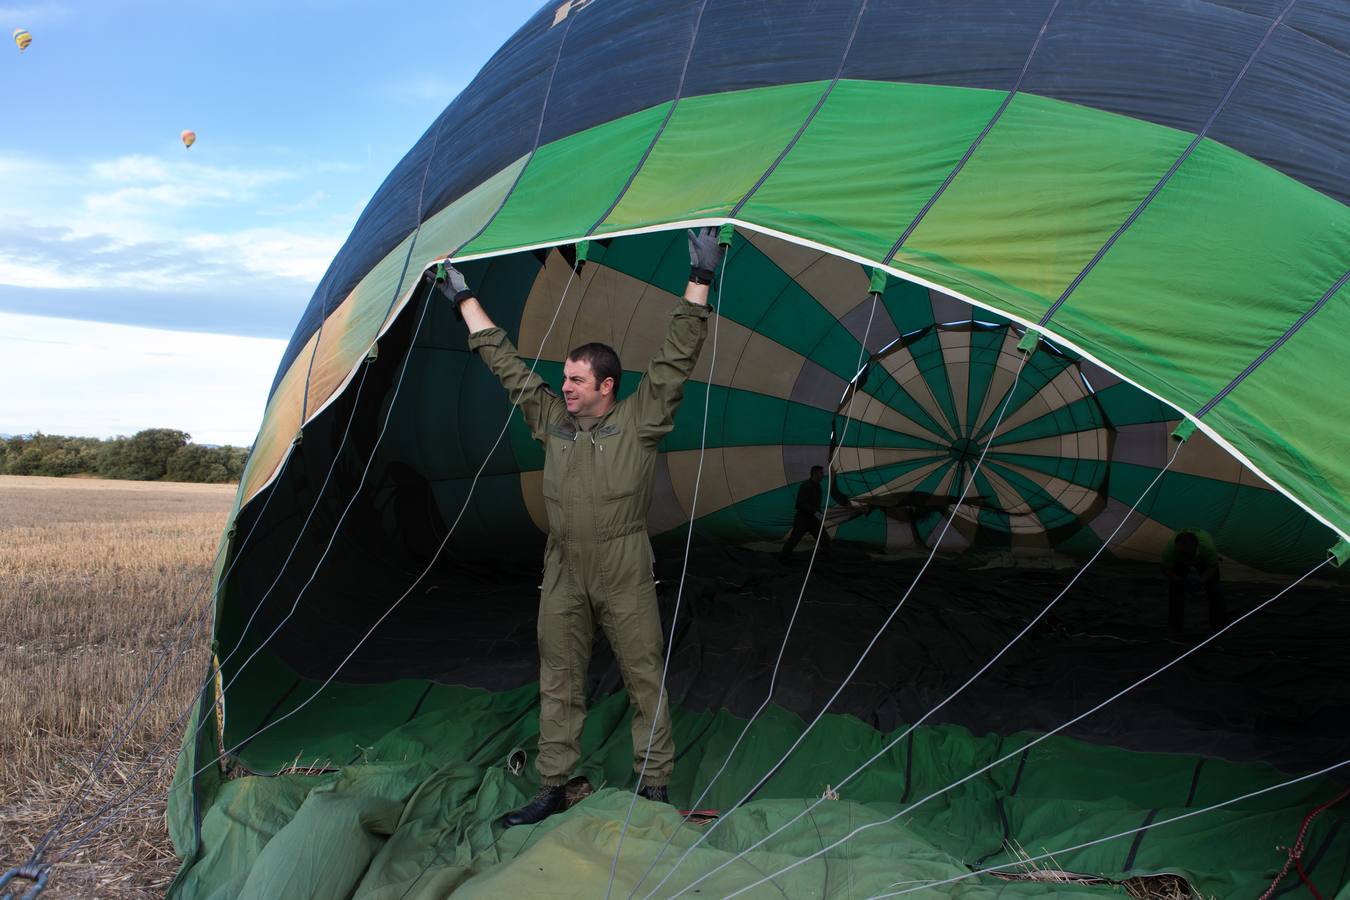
{"x":599,"y":464}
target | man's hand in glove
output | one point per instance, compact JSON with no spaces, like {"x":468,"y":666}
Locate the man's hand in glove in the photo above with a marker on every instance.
{"x":705,"y":254}
{"x":465,"y":300}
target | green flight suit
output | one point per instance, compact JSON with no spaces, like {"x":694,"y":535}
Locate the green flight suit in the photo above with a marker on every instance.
{"x":598,"y":559}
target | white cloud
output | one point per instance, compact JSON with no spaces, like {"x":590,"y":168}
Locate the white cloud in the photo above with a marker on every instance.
{"x":66,"y":376}
{"x":34,"y":16}
{"x":162,"y":224}
{"x":271,"y":251}
{"x":35,"y":275}
{"x":139,"y":194}
{"x":313,"y":201}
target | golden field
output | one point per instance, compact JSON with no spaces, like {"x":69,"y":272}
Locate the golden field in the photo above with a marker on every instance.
{"x":96,"y":578}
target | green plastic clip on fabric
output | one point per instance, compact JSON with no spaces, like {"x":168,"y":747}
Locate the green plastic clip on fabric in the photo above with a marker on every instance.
{"x":879,"y":279}
{"x":1184,"y":430}
{"x":1030,"y":339}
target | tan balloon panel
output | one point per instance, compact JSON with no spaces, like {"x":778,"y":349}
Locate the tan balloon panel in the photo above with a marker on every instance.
{"x":1009,"y":360}
{"x":730,"y":475}
{"x":955,"y":343}
{"x":904,"y":368}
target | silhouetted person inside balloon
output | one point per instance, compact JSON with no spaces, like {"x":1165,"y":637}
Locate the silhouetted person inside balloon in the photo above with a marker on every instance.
{"x":806,"y":516}
{"x":1192,"y":549}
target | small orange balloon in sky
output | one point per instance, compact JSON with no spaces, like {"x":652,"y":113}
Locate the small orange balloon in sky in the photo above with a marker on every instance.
{"x":189,"y":138}
{"x":22,"y":38}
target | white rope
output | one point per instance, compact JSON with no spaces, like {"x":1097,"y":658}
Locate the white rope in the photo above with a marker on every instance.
{"x":135,"y":709}
{"x":679,"y":591}
{"x":995,"y":658}
{"x":773,"y":677}
{"x":1020,"y":750}
{"x":872,"y":643}
{"x":299,"y":537}
{"x":467,"y":499}
{"x":195,"y":698}
{"x":183,"y":645}
{"x":469,"y":496}
{"x":1120,"y":834}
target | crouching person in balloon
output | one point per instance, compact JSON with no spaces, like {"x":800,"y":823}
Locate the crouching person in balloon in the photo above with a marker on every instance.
{"x":1190,"y":549}
{"x":599,"y":466}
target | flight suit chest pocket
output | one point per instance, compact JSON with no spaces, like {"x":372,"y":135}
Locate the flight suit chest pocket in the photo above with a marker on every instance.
{"x":616,"y":474}
{"x":559,"y":450}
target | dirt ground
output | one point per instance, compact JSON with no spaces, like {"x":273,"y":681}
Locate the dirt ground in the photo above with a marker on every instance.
{"x":96,"y":578}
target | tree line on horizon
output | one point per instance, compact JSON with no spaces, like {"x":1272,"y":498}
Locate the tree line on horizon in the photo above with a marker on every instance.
{"x":155,"y":454}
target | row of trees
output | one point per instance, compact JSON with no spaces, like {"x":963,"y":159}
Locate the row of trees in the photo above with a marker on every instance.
{"x":156,"y":454}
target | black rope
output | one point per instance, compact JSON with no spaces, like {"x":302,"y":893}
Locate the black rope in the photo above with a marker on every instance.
{"x":538,"y":133}
{"x":810,"y":117}
{"x":1162,"y":182}
{"x":1266,"y":354}
{"x":675,"y":101}
{"x":1004,"y":842}
{"x":1195,"y":782}
{"x":975,"y":145}
{"x":909,"y":768}
{"x":1021,"y":767}
{"x":309,"y":370}
{"x":1138,"y":839}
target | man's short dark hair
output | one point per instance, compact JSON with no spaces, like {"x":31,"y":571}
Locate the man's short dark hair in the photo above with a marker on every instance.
{"x":602,"y":359}
{"x":815,"y":469}
{"x":1187,"y":540}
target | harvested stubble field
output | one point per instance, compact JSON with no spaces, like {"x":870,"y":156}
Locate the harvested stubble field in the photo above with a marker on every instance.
{"x":95,"y":577}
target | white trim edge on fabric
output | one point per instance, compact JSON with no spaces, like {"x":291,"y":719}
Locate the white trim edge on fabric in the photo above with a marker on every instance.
{"x":902,"y":274}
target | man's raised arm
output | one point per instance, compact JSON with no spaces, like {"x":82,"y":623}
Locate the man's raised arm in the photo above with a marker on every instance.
{"x":662,"y":387}
{"x":540,"y":405}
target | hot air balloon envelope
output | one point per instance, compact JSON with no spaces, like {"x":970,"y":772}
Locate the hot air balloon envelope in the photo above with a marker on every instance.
{"x":22,"y":38}
{"x":918,"y":190}
{"x":189,"y":138}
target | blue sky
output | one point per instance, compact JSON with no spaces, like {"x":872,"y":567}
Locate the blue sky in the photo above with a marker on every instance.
{"x":116,"y":243}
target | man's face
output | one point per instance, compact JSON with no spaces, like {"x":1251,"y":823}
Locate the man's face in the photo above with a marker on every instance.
{"x":817,"y":475}
{"x":580,"y":392}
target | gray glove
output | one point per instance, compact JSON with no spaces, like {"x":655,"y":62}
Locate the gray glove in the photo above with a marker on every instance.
{"x":455,"y":284}
{"x":456,"y":288}
{"x":705,"y":254}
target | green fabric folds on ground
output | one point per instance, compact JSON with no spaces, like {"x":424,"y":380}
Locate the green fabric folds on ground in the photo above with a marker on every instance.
{"x":419,"y":819}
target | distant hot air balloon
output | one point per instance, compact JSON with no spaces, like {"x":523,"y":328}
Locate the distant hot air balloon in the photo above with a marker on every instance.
{"x":22,"y":38}
{"x":189,"y":138}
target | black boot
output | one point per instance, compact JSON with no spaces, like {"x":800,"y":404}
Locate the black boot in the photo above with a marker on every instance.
{"x":549,"y":800}
{"x":655,"y":793}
